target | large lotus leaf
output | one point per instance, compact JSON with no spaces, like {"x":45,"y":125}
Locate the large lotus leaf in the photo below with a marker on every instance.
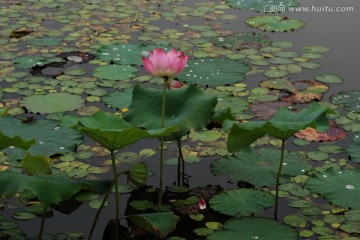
{"x":119,"y":100}
{"x":213,"y":71}
{"x":48,"y":188}
{"x":52,"y":102}
{"x":350,"y":100}
{"x":115,"y":72}
{"x":159,"y":224}
{"x":353,"y":149}
{"x":242,"y":41}
{"x":254,"y":228}
{"x":274,"y":23}
{"x":18,"y":142}
{"x":263,"y":5}
{"x":138,"y":173}
{"x":282,"y":125}
{"x":114,"y":133}
{"x":126,"y":54}
{"x":241,"y":202}
{"x":49,"y":135}
{"x":260,"y":166}
{"x":36,"y":165}
{"x":186,"y":108}
{"x":341,"y":188}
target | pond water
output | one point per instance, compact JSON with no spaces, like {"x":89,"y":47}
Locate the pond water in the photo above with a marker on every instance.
{"x":339,"y":31}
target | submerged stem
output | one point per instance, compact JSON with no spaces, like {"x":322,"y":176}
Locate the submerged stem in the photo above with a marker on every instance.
{"x":117,"y":213}
{"x":42,"y":226}
{"x":278,"y":179}
{"x":162,"y":144}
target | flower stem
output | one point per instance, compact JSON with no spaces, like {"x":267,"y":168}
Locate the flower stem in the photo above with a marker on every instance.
{"x":278,"y":179}
{"x":98,"y":212}
{"x":162,"y":144}
{"x":117,"y":213}
{"x":42,"y":226}
{"x":181,"y":163}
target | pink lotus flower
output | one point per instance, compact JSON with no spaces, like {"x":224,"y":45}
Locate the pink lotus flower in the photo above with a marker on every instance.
{"x":161,"y":64}
{"x":202,"y":204}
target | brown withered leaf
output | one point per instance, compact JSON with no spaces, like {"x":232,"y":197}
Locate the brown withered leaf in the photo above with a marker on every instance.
{"x":306,"y":91}
{"x":334,"y":133}
{"x":265,"y":110}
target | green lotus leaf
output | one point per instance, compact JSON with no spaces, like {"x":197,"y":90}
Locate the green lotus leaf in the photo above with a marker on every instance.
{"x":276,"y":73}
{"x":263,"y":5}
{"x":125,"y":54}
{"x":159,"y":224}
{"x":213,"y":71}
{"x":48,"y":188}
{"x":17,"y":142}
{"x":260,"y":166}
{"x":327,"y":78}
{"x":241,"y":202}
{"x":114,"y":133}
{"x":119,"y":100}
{"x":49,"y":135}
{"x":36,"y":165}
{"x":341,"y":188}
{"x":115,"y":72}
{"x":242,"y":41}
{"x":353,"y":149}
{"x":28,"y":61}
{"x":186,"y":108}
{"x":52,"y":102}
{"x":138,"y":174}
{"x":254,"y":228}
{"x":274,"y":23}
{"x":282,"y":125}
{"x":350,"y":100}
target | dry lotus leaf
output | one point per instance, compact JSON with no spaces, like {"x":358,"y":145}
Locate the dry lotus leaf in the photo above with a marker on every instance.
{"x":267,"y":109}
{"x":306,"y":91}
{"x":333,"y":134}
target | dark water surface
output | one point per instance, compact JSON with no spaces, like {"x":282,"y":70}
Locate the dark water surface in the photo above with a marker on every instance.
{"x":340,"y":31}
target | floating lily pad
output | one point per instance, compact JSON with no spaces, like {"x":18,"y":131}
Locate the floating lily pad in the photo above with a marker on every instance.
{"x":115,"y":72}
{"x":45,"y":41}
{"x":341,"y":188}
{"x":315,"y":49}
{"x":254,"y":228}
{"x":263,"y":5}
{"x":275,"y":73}
{"x":213,"y":71}
{"x":350,"y":100}
{"x":241,"y":202}
{"x":352,"y":150}
{"x":49,"y":135}
{"x":52,"y":103}
{"x":267,"y":109}
{"x":119,"y":100}
{"x":274,"y":23}
{"x":310,"y":65}
{"x":260,"y":167}
{"x":239,"y":41}
{"x":125,"y":54}
{"x":28,"y":61}
{"x":326,"y":78}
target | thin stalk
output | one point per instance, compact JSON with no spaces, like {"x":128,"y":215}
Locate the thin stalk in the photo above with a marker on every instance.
{"x":117,"y":213}
{"x":278,"y":179}
{"x":181,"y":157}
{"x":99,"y":212}
{"x":161,"y":184}
{"x":42,"y":225}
